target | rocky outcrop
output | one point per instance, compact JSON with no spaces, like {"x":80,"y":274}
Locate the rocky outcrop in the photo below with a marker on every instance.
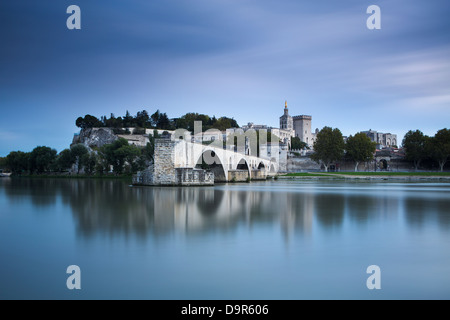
{"x":95,"y":137}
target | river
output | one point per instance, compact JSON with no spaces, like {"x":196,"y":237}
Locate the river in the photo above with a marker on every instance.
{"x":283,"y":239}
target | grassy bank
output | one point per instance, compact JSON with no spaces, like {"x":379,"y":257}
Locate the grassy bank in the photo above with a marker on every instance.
{"x":304,"y":174}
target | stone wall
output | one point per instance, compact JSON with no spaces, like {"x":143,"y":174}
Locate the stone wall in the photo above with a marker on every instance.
{"x":237,"y":175}
{"x":164,"y":162}
{"x":305,"y":164}
{"x":258,"y":174}
{"x":194,"y":177}
{"x":144,"y":177}
{"x":301,"y":164}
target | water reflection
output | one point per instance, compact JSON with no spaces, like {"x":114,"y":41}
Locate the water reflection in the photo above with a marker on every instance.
{"x":421,"y":211}
{"x":113,"y":207}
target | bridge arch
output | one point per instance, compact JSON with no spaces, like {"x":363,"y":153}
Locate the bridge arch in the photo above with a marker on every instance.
{"x":243,"y":165}
{"x":261,"y":165}
{"x":210,"y":160}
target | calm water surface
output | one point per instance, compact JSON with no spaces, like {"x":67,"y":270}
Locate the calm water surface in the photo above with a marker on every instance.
{"x":267,"y":240}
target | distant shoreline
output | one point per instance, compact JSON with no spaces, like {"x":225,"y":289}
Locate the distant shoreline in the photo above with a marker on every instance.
{"x":403,"y":176}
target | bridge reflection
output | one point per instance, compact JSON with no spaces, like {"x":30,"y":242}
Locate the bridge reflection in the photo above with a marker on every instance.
{"x":112,"y":207}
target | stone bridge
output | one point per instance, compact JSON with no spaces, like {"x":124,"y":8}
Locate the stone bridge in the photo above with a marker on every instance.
{"x":182,"y":162}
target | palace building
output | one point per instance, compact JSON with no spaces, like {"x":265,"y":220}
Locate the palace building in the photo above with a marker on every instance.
{"x":298,"y":126}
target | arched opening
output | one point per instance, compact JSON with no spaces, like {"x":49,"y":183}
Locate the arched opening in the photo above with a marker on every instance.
{"x":242,"y":165}
{"x":383,"y":164}
{"x":210,"y":161}
{"x":261,"y":165}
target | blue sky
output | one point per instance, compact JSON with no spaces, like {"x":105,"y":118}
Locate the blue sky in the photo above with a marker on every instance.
{"x":235,"y":58}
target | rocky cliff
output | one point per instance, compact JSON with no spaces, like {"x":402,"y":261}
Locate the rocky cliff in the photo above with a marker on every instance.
{"x":95,"y":137}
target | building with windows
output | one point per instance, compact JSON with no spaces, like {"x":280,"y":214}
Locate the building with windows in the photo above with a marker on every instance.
{"x":383,"y":140}
{"x":298,"y":126}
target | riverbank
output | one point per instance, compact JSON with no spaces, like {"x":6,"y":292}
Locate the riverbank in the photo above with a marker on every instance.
{"x":403,"y":176}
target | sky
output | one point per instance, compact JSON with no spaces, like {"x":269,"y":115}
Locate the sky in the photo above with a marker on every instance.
{"x":234,"y":58}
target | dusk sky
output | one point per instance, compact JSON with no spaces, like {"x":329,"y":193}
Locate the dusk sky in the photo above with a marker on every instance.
{"x":234,"y":58}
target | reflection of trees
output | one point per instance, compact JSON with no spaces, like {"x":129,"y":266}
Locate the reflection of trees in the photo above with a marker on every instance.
{"x":42,"y":192}
{"x":108,"y":206}
{"x":112,"y":207}
{"x":329,"y":209}
{"x":417,"y":210}
{"x":421,"y":210}
{"x":362,"y":208}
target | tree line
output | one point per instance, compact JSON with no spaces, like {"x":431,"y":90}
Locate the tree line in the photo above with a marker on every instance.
{"x":118,"y":157}
{"x":330,"y":147}
{"x":158,"y":120}
{"x":420,"y":147}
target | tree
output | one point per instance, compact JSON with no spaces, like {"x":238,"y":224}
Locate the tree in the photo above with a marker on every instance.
{"x":329,"y":146}
{"x":128,"y":154}
{"x":360,"y":148}
{"x":164,"y":122}
{"x":65,"y":160}
{"x":415,"y":144}
{"x":143,"y":119}
{"x":223,"y":123}
{"x":128,"y":120}
{"x":2,"y":163}
{"x":88,"y":122}
{"x":89,"y":162}
{"x":18,"y":162}
{"x":42,"y":159}
{"x":440,"y":147}
{"x":297,"y":144}
{"x":119,"y":152}
{"x":154,"y":118}
{"x":78,"y":151}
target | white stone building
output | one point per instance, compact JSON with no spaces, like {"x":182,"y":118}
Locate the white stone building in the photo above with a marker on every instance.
{"x":383,"y":140}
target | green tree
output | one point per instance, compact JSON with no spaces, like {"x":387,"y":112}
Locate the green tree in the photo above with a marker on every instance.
{"x":42,"y":159}
{"x":143,"y":119}
{"x":154,"y":119}
{"x":118,"y":153}
{"x":89,"y":162}
{"x":440,"y":147}
{"x":415,"y":144}
{"x":78,"y":151}
{"x":297,"y":144}
{"x":65,"y":160}
{"x":88,"y":122}
{"x":18,"y":162}
{"x":223,"y":123}
{"x":129,"y":154}
{"x":164,"y":122}
{"x":360,"y":148}
{"x":128,"y":120}
{"x":328,"y":147}
{"x":2,"y":163}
